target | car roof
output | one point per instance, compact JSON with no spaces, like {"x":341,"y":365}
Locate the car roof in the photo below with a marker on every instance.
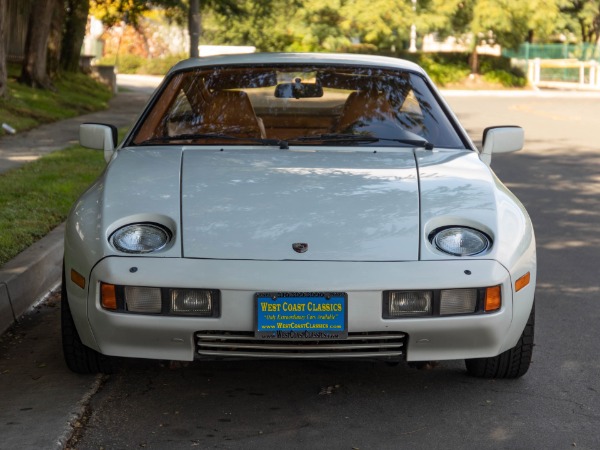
{"x":349,"y":59}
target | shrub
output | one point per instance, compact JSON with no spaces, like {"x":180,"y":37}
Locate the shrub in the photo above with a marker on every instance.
{"x":489,"y":63}
{"x":160,"y":66}
{"x":134,"y":64}
{"x":505,"y":78}
{"x":363,"y":48}
{"x":124,"y":63}
{"x":453,"y":67}
{"x":443,"y":74}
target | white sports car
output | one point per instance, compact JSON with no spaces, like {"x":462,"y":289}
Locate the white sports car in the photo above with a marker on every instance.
{"x":299,"y":206}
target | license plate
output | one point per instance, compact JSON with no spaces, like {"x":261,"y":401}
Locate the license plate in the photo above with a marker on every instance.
{"x":301,"y":315}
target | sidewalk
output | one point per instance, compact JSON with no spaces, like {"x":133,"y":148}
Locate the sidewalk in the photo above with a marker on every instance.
{"x":21,"y":148}
{"x":36,"y":271}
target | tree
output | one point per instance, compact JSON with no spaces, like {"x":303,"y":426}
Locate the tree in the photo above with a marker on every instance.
{"x":582,"y":17}
{"x":314,"y":25}
{"x":131,"y":11}
{"x":56,"y":36}
{"x":513,"y":21}
{"x":33,"y":72}
{"x":3,"y":69}
{"x":227,"y":7}
{"x":111,"y":12}
{"x":380,"y":23}
{"x":320,"y":26}
{"x":74,"y":32}
{"x":266,"y":24}
{"x":194,"y":28}
{"x":505,"y":22}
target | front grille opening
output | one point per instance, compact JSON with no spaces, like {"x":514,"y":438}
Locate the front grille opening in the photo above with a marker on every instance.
{"x":241,"y":344}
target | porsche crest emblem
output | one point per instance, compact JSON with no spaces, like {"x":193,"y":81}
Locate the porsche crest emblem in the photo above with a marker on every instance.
{"x":300,"y":247}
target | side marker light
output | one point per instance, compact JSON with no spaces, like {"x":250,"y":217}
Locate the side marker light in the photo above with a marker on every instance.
{"x":522,"y":282}
{"x":77,"y":278}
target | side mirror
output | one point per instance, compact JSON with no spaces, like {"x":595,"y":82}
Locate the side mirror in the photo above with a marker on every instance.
{"x":99,"y":137}
{"x":503,"y":139}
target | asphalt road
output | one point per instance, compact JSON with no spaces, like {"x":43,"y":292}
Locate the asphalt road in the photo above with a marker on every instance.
{"x":358,"y":405}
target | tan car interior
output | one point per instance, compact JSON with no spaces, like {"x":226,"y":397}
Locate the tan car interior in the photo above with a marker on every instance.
{"x":193,"y":105}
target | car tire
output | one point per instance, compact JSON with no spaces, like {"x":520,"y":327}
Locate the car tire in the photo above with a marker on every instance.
{"x":79,"y":358}
{"x":512,"y":363}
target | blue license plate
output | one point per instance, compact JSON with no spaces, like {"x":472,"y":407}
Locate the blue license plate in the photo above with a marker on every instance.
{"x":301,"y":315}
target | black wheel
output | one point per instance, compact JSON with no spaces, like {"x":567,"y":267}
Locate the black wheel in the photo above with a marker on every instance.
{"x":79,"y":358}
{"x":512,"y":363}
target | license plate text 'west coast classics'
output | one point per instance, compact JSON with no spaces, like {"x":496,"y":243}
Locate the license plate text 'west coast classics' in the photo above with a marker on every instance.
{"x":301,"y":315}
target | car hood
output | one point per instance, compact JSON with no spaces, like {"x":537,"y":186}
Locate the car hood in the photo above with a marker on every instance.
{"x":257,"y":204}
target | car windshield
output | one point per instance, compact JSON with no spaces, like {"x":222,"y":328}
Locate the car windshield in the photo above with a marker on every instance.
{"x":296,"y":105}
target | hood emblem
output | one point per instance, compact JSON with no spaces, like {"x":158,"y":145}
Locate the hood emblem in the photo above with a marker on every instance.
{"x":300,"y":247}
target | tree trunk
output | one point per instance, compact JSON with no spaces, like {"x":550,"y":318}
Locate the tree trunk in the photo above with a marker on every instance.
{"x":56,"y":35}
{"x":3,"y":70}
{"x":530,"y":35}
{"x":75,"y":23}
{"x":34,"y":72}
{"x":474,"y":60}
{"x":194,"y":28}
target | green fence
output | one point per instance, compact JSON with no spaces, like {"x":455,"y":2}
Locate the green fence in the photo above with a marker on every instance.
{"x":547,"y":64}
{"x":581,"y":52}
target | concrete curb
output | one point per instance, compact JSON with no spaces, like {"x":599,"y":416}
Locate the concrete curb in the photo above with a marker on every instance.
{"x":29,"y":276}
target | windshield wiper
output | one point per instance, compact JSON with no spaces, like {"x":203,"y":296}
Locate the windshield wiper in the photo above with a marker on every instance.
{"x":328,"y":137}
{"x":413,"y":142}
{"x":216,"y":136}
{"x":336,"y":137}
{"x":342,"y":137}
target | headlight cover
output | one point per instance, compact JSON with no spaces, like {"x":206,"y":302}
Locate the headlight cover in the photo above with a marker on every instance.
{"x":140,"y":238}
{"x":461,"y":241}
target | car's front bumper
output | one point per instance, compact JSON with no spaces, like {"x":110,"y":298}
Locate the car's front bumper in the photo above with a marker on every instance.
{"x":175,"y":338}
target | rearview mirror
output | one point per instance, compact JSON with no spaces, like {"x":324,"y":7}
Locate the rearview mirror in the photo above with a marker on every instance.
{"x":298,"y":89}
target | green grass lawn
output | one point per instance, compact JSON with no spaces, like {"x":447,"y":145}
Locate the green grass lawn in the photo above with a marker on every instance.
{"x":75,"y":94}
{"x":37,"y":197}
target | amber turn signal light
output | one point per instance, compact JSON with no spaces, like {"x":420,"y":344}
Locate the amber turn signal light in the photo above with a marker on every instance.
{"x":77,"y":278}
{"x":522,"y":282}
{"x":493,"y":298}
{"x":108,"y":295}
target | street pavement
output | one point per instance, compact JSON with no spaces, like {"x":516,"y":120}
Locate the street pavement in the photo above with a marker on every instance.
{"x":41,"y":401}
